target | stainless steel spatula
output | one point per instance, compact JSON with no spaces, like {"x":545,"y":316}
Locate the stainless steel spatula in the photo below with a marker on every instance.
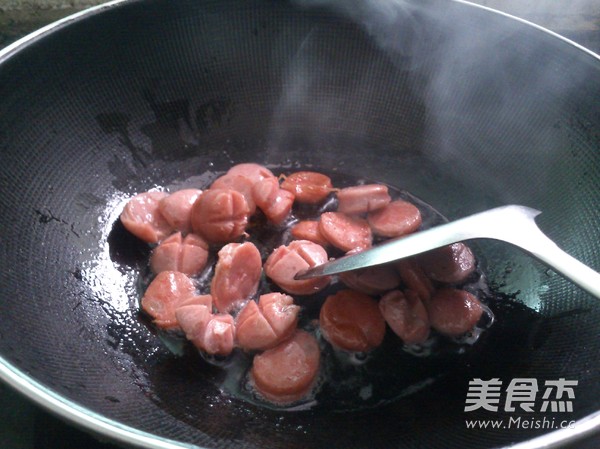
{"x":513,"y":224}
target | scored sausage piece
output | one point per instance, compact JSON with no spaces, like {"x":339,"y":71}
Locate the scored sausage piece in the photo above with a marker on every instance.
{"x":177,"y":208}
{"x":414,"y":278}
{"x":212,"y":333}
{"x":308,"y":187}
{"x":351,"y":321}
{"x":253,"y":331}
{"x":198,"y":300}
{"x":220,"y":216}
{"x":362,"y":199}
{"x":264,"y":325}
{"x":287,"y":372}
{"x":372,"y":280}
{"x":142,"y":217}
{"x":167,"y":292}
{"x":237,"y":275}
{"x":345,"y":232}
{"x":280,"y":311}
{"x":406,"y":315}
{"x":395,"y":219}
{"x":254,"y":172}
{"x":275,"y":202}
{"x":308,"y":230}
{"x":285,"y":262}
{"x":188,"y":255}
{"x":453,"y":312}
{"x":450,"y":264}
{"x":238,"y":183}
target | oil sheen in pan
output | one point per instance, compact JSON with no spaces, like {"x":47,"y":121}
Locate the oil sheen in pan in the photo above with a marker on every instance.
{"x":347,"y":381}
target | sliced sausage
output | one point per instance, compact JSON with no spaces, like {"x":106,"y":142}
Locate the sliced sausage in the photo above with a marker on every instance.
{"x":285,"y":262}
{"x":454,"y":312}
{"x":212,"y":333}
{"x":281,"y":207}
{"x":198,"y":300}
{"x":265,"y":191}
{"x":167,"y":292}
{"x":372,"y":280}
{"x":362,"y":199}
{"x":253,"y":331}
{"x":254,"y":172}
{"x":345,"y":232}
{"x":309,"y":230}
{"x":395,"y":219}
{"x":275,"y":202}
{"x":238,"y":183}
{"x":451,"y":264}
{"x":192,"y":319}
{"x":177,"y":208}
{"x":414,"y":278}
{"x":220,"y":216}
{"x":287,"y":373}
{"x":351,"y":321}
{"x":142,"y":217}
{"x":280,"y":311}
{"x":406,"y":315}
{"x":237,"y":275}
{"x":307,"y":186}
{"x":188,"y":255}
{"x":219,"y":336}
{"x":264,"y":325}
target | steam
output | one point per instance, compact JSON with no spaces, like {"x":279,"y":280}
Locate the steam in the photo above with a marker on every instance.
{"x":419,"y":35}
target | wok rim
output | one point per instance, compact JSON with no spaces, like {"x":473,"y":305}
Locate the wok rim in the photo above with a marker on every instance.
{"x":101,"y":425}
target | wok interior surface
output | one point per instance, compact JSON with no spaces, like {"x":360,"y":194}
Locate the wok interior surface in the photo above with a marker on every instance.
{"x":464,"y":108}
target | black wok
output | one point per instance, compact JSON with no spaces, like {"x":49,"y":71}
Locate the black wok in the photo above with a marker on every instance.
{"x":465,"y":108}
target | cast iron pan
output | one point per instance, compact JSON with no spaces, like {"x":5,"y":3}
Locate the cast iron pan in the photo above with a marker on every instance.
{"x":465,"y":108}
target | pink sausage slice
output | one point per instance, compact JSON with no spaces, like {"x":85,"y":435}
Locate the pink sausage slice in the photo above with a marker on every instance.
{"x":453,"y":312}
{"x":177,"y":208}
{"x":265,"y":325}
{"x":198,"y":300}
{"x":142,"y":217}
{"x":362,"y":199}
{"x":167,"y":292}
{"x":285,"y":262}
{"x":406,"y":315}
{"x":187,"y":255}
{"x":287,"y":373}
{"x":308,"y":187}
{"x":395,"y":219}
{"x":309,"y":230}
{"x":351,"y":321}
{"x":238,"y":183}
{"x":254,"y":172}
{"x":414,"y":278}
{"x":253,"y":331}
{"x":281,"y":207}
{"x":213,"y":334}
{"x":280,"y":311}
{"x":275,"y":202}
{"x":372,"y":280}
{"x":219,"y":337}
{"x":345,"y":232}
{"x":220,"y":216}
{"x":451,"y":264}
{"x":237,"y":275}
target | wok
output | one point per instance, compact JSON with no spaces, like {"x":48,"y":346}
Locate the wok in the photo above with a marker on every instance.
{"x":465,"y":108}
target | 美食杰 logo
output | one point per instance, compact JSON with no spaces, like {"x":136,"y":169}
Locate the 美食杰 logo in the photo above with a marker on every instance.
{"x":521,"y":395}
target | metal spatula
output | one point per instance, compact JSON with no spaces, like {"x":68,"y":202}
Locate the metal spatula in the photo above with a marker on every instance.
{"x":513,"y":224}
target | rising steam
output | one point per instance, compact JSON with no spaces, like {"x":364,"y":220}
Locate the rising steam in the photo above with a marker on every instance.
{"x":467,"y":74}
